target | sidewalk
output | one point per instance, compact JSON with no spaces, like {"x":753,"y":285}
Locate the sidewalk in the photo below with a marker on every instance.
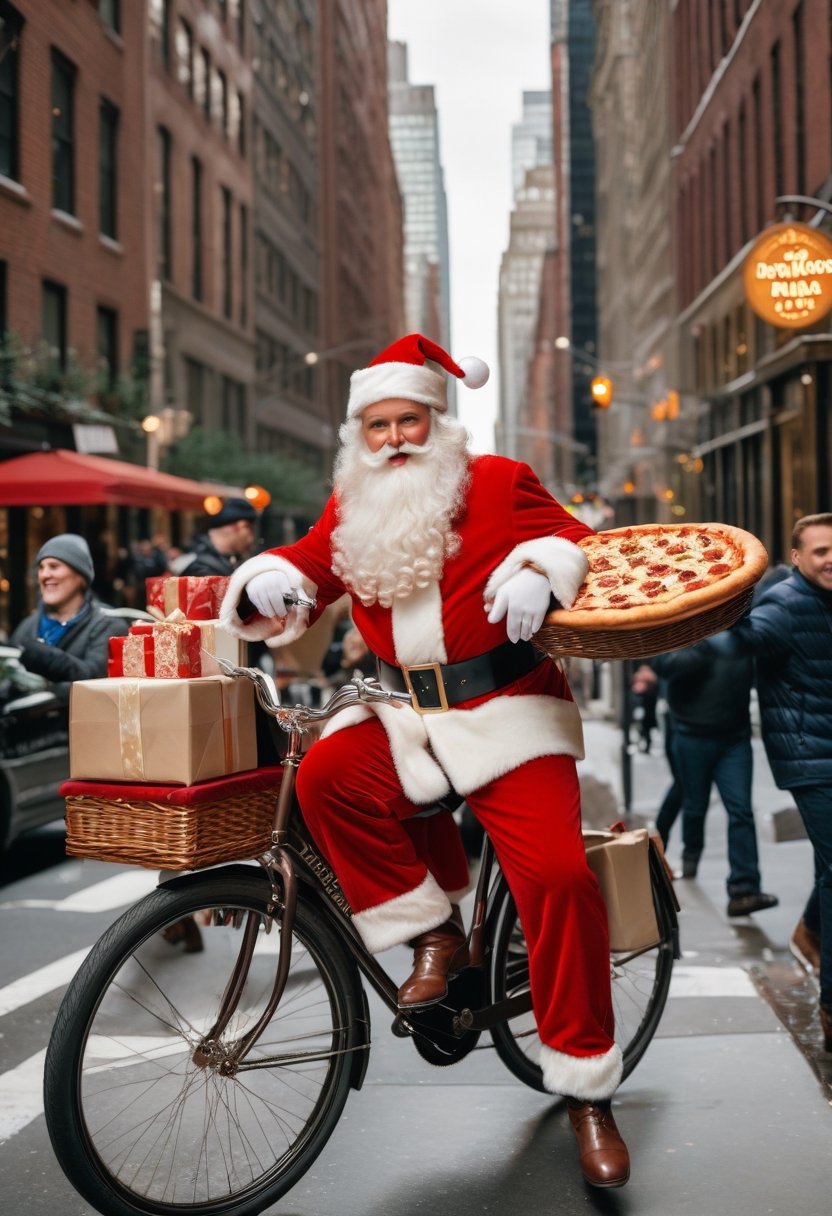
{"x":758,"y":944}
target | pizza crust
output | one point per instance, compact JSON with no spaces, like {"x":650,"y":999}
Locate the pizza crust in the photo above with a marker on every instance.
{"x":753,"y":563}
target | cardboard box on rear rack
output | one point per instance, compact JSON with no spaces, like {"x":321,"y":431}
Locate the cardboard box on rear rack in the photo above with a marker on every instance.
{"x":172,"y":731}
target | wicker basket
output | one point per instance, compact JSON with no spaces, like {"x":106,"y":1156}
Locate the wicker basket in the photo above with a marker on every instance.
{"x":640,"y":643}
{"x":162,"y":835}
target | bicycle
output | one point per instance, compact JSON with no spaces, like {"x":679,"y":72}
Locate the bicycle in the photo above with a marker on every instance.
{"x":210,"y":1082}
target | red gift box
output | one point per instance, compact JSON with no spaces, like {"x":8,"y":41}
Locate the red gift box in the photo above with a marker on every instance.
{"x":197,"y":597}
{"x":130,"y":656}
{"x":166,"y":650}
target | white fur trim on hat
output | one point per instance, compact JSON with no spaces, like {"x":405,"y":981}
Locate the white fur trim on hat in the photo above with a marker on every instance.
{"x":398,"y":920}
{"x":278,"y":631}
{"x":388,"y":381}
{"x":588,"y":1078}
{"x":560,"y":560}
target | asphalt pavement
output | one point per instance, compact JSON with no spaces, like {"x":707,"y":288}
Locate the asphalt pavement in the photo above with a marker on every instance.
{"x":727,"y":1114}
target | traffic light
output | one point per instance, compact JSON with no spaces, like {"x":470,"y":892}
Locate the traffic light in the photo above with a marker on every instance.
{"x":601,"y":388}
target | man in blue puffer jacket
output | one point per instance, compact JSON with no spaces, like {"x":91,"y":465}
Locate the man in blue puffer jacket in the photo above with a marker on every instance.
{"x":790,"y":632}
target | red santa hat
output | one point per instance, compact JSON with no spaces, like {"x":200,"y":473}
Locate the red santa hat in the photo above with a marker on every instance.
{"x":412,"y":369}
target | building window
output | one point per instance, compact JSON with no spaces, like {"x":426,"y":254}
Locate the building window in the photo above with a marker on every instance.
{"x":63,"y":124}
{"x":107,"y":319}
{"x":53,"y":321}
{"x":165,"y":251}
{"x":196,"y":227}
{"x":759,"y":172}
{"x":800,"y":100}
{"x":110,"y":13}
{"x":11,"y":24}
{"x":195,"y":390}
{"x":185,"y":56}
{"x":233,"y":407}
{"x":160,"y":17}
{"x":221,"y":112}
{"x":244,"y":266}
{"x":777,"y":119}
{"x":4,"y":316}
{"x":742,"y":162}
{"x":108,"y":168}
{"x":203,"y":94}
{"x":226,"y":252}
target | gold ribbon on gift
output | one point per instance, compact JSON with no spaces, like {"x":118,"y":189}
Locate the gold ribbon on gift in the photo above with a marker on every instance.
{"x":167,"y":636}
{"x":130,"y":729}
{"x":133,"y":656}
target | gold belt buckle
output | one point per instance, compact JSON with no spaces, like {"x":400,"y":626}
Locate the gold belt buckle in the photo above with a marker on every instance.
{"x":435,"y":668}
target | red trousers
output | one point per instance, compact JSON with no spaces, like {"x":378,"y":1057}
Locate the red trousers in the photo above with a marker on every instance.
{"x":354,"y":806}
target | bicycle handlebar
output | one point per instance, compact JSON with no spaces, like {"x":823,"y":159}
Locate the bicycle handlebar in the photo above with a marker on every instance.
{"x":295,"y":717}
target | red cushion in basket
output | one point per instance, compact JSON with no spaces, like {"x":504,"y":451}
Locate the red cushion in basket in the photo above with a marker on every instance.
{"x":253,"y":781}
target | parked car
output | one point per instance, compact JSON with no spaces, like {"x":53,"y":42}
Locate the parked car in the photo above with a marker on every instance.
{"x":34,"y":745}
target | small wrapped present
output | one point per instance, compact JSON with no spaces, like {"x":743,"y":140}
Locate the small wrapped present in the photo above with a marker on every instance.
{"x":130,"y":656}
{"x":218,"y":643}
{"x":168,"y":650}
{"x":198,"y":597}
{"x":172,"y":731}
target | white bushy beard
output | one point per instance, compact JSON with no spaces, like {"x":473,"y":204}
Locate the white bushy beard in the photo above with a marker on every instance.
{"x":395,"y":521}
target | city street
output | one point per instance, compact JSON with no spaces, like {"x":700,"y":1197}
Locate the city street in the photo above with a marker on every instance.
{"x":727,"y":1113}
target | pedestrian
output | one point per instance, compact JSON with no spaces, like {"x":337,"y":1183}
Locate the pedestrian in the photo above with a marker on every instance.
{"x":645,"y":689}
{"x":789,"y":630}
{"x":66,"y":636}
{"x":451,"y":561}
{"x":228,"y":538}
{"x":709,"y":697}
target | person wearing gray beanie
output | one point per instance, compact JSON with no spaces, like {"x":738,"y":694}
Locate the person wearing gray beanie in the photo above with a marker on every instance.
{"x":71,"y":549}
{"x":66,"y":637}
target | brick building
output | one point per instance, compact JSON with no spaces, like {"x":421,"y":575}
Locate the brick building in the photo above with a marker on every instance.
{"x":73,"y":238}
{"x":200,"y":213}
{"x":362,"y":306}
{"x":752,"y":123}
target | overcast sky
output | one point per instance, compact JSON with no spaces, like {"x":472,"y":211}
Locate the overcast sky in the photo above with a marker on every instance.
{"x":479,"y":55}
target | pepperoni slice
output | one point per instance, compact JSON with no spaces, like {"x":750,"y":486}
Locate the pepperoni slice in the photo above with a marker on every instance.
{"x":719,"y":568}
{"x":652,"y":584}
{"x":674,"y":549}
{"x":658,"y":568}
{"x":619,"y":599}
{"x":686,"y":575}
{"x":700,"y":582}
{"x":609,"y":580}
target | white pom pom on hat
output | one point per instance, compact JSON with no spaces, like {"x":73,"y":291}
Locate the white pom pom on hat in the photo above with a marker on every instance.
{"x":412,"y":369}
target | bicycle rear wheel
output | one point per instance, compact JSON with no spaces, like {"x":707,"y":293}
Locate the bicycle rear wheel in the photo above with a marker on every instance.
{"x":639,"y":983}
{"x":141,"y":1126}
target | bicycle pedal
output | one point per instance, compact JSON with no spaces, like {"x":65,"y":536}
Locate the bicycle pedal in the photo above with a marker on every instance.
{"x":401,"y":1028}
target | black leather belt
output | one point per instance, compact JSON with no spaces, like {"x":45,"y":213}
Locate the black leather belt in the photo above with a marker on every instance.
{"x":437,"y":686}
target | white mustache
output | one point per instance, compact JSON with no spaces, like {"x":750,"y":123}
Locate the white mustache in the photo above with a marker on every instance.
{"x":377,"y":460}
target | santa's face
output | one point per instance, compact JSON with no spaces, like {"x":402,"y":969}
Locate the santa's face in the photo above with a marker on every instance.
{"x":395,"y":424}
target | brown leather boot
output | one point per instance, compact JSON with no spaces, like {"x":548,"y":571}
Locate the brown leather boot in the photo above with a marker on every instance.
{"x":826,"y":1027}
{"x":805,"y":946}
{"x":604,"y":1157}
{"x":438,"y":955}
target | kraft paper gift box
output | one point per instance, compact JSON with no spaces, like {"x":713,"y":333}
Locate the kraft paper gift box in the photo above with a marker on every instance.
{"x":171,"y":731}
{"x":198,"y":597}
{"x":621,"y":864}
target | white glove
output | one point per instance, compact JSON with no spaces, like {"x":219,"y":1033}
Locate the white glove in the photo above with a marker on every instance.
{"x":266,"y":592}
{"x":525,"y":597}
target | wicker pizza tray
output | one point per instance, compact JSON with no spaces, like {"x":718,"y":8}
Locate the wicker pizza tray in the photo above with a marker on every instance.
{"x":679,"y":627}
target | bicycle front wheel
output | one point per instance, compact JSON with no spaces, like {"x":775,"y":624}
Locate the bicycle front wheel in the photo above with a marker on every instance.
{"x":139,"y":1120}
{"x":639,"y":983}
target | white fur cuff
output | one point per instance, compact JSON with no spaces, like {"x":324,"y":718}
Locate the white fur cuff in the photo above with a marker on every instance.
{"x":278,"y":631}
{"x":588,"y":1078}
{"x":561,"y":561}
{"x":398,"y":920}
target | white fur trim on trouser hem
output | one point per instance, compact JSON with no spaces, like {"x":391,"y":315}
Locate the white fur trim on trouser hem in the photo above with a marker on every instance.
{"x":588,"y":1078}
{"x":398,"y":920}
{"x":563,"y":563}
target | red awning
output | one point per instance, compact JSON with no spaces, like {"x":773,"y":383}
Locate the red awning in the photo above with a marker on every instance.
{"x":63,"y":478}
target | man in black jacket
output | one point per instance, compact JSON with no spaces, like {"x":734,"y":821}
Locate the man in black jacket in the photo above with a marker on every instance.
{"x":66,"y":637}
{"x":790,"y":632}
{"x":708,"y":696}
{"x":229,"y":538}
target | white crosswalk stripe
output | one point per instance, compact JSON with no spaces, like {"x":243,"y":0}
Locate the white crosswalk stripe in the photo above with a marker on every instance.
{"x":21,"y":1095}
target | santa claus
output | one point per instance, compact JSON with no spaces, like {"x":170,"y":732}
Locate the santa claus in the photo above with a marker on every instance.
{"x":452,"y":561}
